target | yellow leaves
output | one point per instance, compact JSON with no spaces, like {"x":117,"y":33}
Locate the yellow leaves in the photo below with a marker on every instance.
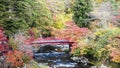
{"x":100,"y":33}
{"x":110,"y":32}
{"x":99,"y":1}
{"x":116,"y":59}
{"x":60,"y":19}
{"x":13,"y":43}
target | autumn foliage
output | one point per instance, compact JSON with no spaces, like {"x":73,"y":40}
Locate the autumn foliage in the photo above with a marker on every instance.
{"x":115,"y":55}
{"x":3,"y":40}
{"x":15,"y":58}
{"x":19,"y":55}
{"x":71,"y":32}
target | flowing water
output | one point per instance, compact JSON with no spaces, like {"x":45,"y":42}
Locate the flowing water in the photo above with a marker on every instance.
{"x":48,"y":56}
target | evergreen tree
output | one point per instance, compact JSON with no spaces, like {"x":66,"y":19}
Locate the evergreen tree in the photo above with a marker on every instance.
{"x":81,"y":9}
{"x":21,"y":14}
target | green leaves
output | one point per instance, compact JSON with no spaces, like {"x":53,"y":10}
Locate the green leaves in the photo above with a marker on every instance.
{"x":80,"y":10}
{"x":23,"y":14}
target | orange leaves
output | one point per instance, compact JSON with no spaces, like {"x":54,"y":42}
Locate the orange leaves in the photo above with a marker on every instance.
{"x":115,"y":55}
{"x":15,"y":58}
{"x":72,"y":32}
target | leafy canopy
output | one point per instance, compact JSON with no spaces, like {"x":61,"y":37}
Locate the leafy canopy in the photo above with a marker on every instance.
{"x":23,"y":14}
{"x":81,"y":9}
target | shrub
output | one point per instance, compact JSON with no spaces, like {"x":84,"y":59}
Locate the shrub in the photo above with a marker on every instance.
{"x":81,"y":8}
{"x":72,"y":32}
{"x":3,"y":41}
{"x":43,"y":15}
{"x":114,"y":54}
{"x":21,"y":14}
{"x":91,"y":52}
{"x":17,"y":58}
{"x":99,"y":45}
{"x":61,"y":19}
{"x":103,"y":36}
{"x":13,"y":44}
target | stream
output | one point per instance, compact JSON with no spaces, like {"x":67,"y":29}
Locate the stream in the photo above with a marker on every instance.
{"x":52,"y":57}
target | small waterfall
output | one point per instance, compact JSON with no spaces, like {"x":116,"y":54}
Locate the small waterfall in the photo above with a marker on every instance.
{"x":81,"y":59}
{"x":55,"y":59}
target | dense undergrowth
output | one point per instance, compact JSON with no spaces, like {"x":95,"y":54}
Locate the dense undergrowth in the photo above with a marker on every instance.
{"x":59,"y":21}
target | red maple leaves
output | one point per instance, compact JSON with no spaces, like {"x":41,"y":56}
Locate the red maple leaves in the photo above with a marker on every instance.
{"x":72,"y":32}
{"x":3,"y":41}
{"x":15,"y":58}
